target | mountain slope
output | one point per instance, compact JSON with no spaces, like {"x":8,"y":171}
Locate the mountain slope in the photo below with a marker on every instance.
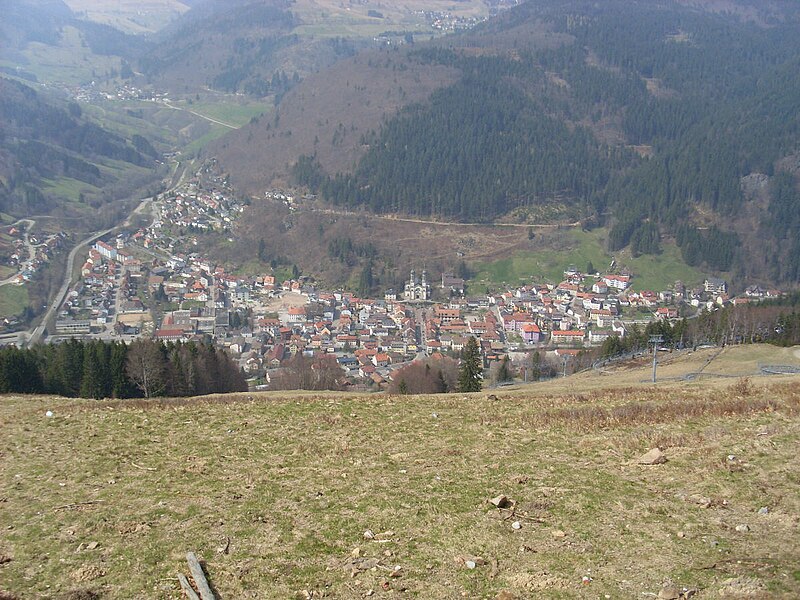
{"x":646,"y":115}
{"x":241,"y":46}
{"x":43,"y":21}
{"x":42,"y":144}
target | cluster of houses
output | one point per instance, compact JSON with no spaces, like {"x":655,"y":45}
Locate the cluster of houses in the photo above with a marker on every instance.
{"x":192,"y":208}
{"x":93,"y":93}
{"x":106,"y":290}
{"x":444,"y":21}
{"x":29,"y":252}
{"x":140,"y":283}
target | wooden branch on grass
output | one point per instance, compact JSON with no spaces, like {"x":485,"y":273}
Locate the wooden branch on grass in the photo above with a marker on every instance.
{"x":199,"y":577}
{"x":186,"y":587}
{"x":77,"y":504}
{"x":143,"y":468}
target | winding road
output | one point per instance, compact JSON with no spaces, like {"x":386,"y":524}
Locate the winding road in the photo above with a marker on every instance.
{"x":38,"y":332}
{"x":197,"y":114}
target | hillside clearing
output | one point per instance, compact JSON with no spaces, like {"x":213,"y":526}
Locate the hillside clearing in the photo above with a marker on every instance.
{"x":578,"y":248}
{"x":276,"y":491}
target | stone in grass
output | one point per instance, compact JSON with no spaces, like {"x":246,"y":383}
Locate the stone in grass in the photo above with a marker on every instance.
{"x":501,"y":501}
{"x":743,"y":528}
{"x":653,"y":457}
{"x":471,"y":562}
{"x":763,"y":510}
{"x":558,"y":534}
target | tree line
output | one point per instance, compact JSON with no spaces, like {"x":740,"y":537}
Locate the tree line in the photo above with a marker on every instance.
{"x":98,"y":369}
{"x":775,"y":322}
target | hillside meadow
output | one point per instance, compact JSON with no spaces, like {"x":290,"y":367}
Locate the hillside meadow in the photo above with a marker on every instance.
{"x":334,"y":495}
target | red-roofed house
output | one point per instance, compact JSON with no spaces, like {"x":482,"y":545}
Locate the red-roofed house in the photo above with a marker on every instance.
{"x":618,"y":282}
{"x":569,"y":336}
{"x":531,"y":334}
{"x":170,"y":335}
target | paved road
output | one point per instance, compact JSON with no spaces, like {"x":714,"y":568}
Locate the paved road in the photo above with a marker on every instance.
{"x":36,"y":336}
{"x":197,"y":114}
{"x":349,"y":213}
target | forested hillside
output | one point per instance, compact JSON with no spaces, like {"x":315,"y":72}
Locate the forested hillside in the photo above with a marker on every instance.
{"x":239,"y":46}
{"x":645,"y":115}
{"x":42,"y":143}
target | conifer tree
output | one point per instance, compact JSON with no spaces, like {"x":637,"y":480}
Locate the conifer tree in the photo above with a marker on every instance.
{"x":119,"y":382}
{"x":470,"y":373}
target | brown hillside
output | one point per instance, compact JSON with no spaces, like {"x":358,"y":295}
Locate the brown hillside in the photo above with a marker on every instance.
{"x":328,"y":113}
{"x":303,"y":237}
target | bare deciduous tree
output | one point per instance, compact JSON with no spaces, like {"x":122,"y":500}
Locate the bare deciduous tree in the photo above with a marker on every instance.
{"x":145,"y":366}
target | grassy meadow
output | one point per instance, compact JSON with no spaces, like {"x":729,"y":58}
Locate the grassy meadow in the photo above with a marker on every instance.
{"x":275,"y":491}
{"x":13,"y":299}
{"x":578,"y":248}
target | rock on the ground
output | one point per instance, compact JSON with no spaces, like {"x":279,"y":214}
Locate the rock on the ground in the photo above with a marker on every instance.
{"x":653,"y":457}
{"x":500,"y":501}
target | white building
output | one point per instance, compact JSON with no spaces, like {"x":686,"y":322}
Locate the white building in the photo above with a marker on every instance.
{"x":417,"y":290}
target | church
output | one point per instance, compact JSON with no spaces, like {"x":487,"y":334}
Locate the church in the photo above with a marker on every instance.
{"x":417,"y":290}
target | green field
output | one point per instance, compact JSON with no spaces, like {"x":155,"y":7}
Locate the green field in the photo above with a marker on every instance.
{"x":112,"y":115}
{"x":13,"y":300}
{"x":131,"y":16}
{"x":655,"y":272}
{"x":71,"y":62}
{"x":215,"y":131}
{"x":343,"y":27}
{"x":66,"y":187}
{"x":327,"y":18}
{"x":231,"y":113}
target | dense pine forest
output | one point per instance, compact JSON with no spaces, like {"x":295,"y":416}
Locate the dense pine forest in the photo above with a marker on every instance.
{"x":98,"y":369}
{"x":646,"y":120}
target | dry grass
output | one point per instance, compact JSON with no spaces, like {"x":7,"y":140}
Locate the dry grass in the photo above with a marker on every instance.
{"x":717,"y":369}
{"x":293,"y":481}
